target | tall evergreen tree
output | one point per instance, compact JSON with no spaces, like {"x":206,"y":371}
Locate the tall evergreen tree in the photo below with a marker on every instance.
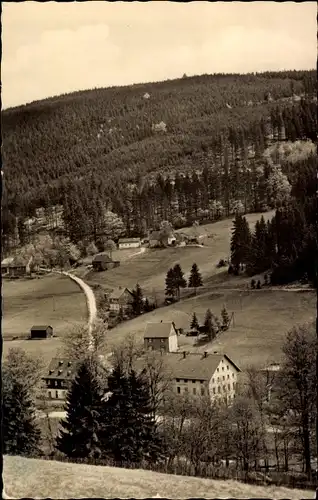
{"x":195,"y":279}
{"x":194,"y":322}
{"x":20,"y":434}
{"x":137,"y":302}
{"x":179,"y":280}
{"x":225,"y":318}
{"x":240,"y":242}
{"x":170,"y":284}
{"x":129,"y":432}
{"x":79,"y":433}
{"x":209,"y":326}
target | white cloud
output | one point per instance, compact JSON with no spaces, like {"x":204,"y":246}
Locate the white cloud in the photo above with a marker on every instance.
{"x":53,"y":48}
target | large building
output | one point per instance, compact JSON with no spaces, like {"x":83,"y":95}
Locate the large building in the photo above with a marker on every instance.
{"x":124,"y":243}
{"x":161,"y":337}
{"x":59,"y":378}
{"x":202,"y":374}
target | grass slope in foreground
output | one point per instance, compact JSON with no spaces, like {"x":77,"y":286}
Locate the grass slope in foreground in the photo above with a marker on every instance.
{"x":27,"y":477}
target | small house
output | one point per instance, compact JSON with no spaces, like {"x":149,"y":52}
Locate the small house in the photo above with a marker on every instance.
{"x":102,"y":262}
{"x":124,"y":243}
{"x":5,"y":265}
{"x":161,"y":337}
{"x":120,"y":298}
{"x":41,"y":332}
{"x":59,"y":377}
{"x":15,"y":266}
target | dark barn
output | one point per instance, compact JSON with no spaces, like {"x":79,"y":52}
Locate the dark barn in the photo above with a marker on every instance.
{"x":41,"y":332}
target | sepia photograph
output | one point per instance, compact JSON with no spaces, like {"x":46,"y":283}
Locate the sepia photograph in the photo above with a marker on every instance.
{"x":159,"y":249}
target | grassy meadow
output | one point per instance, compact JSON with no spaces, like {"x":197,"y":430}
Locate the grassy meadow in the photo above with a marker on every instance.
{"x":53,"y":299}
{"x":26,"y":477}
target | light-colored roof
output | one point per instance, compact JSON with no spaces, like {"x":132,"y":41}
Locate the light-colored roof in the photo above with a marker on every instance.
{"x":118,"y":292}
{"x":159,"y":330}
{"x":129,"y":240}
{"x":7,"y":261}
{"x":194,"y":366}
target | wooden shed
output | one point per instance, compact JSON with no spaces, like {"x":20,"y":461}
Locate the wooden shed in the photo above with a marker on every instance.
{"x":41,"y":332}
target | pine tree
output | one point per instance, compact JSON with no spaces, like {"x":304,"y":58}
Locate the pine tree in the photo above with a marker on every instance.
{"x":194,"y":323}
{"x":170,"y":284}
{"x":19,"y":431}
{"x":179,"y":280}
{"x":225,"y":318}
{"x":137,"y":302}
{"x":79,"y":433}
{"x":129,"y":432}
{"x":195,"y":279}
{"x":240,"y":242}
{"x":209,"y":325}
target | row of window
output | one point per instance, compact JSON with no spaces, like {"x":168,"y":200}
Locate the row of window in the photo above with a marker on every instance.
{"x":161,"y":340}
{"x":187,"y":380}
{"x":194,"y":390}
{"x":223,"y":377}
{"x":227,"y":367}
{"x":56,"y":394}
{"x":224,"y":388}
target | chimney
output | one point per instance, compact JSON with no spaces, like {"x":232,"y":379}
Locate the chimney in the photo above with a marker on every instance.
{"x":60,"y":363}
{"x":184,"y":354}
{"x":205,"y":354}
{"x":161,"y":321}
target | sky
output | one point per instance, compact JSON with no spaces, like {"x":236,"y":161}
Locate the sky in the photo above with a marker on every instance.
{"x":54,"y":48}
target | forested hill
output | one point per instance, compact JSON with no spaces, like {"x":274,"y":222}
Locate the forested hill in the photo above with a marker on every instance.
{"x":93,"y":144}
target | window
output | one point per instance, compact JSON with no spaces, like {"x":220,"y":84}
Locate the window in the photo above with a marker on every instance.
{"x":50,"y":394}
{"x":232,"y":375}
{"x":223,"y":377}
{"x":229,"y":387}
{"x":224,"y":387}
{"x":228,"y":376}
{"x":194,"y":390}
{"x":202,"y":391}
{"x":56,"y":394}
{"x":178,"y":390}
{"x":213,"y":390}
{"x":222,"y":368}
{"x":193,"y":381}
{"x":227,"y":367}
{"x":219,"y":389}
{"x":185,"y":389}
{"x":218,"y":379}
{"x":149,"y":341}
{"x":213,"y":381}
{"x":162,"y":340}
{"x":177,"y":380}
{"x":202,"y":381}
{"x":185,"y":380}
{"x":217,"y":370}
{"x":233,"y":385}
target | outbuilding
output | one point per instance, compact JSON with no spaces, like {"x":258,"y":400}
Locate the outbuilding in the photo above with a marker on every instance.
{"x":41,"y":332}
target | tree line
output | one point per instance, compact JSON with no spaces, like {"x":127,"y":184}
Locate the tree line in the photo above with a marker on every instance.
{"x":218,"y":155}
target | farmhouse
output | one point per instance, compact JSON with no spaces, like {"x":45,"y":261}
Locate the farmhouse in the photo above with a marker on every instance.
{"x":41,"y":332}
{"x":102,"y":262}
{"x":202,"y":374}
{"x":120,"y":298}
{"x":59,"y":378}
{"x":124,"y":243}
{"x":15,"y":266}
{"x":5,"y":265}
{"x":161,"y":337}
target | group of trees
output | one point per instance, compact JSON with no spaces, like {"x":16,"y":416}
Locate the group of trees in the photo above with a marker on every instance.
{"x":129,"y":170}
{"x":287,"y":244}
{"x":114,"y":416}
{"x":212,"y":324}
{"x":175,"y":280}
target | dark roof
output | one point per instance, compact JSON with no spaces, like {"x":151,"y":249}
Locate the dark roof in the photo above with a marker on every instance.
{"x":102,"y":257}
{"x":129,"y":240}
{"x":40,"y":327}
{"x":118,"y":292}
{"x":194,"y":366}
{"x":159,"y":330}
{"x":62,"y":369}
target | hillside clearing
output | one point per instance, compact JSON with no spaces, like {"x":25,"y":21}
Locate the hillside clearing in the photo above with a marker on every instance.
{"x":53,"y":299}
{"x":26,"y":477}
{"x":261,"y":321}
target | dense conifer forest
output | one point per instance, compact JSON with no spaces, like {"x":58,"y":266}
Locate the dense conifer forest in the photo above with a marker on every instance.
{"x":121,"y":160}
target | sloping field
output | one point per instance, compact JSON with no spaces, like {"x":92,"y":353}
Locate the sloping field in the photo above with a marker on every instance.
{"x":261,"y":321}
{"x":54,"y":300}
{"x":150,"y":269}
{"x":26,"y":477}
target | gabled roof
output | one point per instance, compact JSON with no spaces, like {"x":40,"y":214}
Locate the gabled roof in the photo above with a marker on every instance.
{"x":102,"y":257}
{"x":194,"y":366}
{"x":40,"y":327}
{"x":161,"y":330}
{"x":62,"y":369}
{"x":129,"y":240}
{"x":118,"y":292}
{"x":7,"y":261}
